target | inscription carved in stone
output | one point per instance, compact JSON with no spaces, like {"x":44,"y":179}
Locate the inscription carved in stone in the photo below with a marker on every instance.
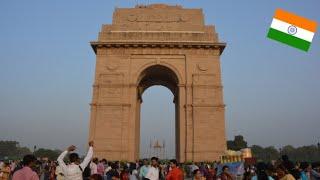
{"x":159,"y":18}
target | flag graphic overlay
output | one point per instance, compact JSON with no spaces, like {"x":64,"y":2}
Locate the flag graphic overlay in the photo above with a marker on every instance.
{"x":291,"y":29}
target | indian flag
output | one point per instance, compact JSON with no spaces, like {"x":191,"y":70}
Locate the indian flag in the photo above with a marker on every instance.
{"x":291,"y":29}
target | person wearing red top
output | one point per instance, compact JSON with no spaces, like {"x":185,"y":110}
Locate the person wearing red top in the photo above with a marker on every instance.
{"x":124,"y":175}
{"x":175,"y":173}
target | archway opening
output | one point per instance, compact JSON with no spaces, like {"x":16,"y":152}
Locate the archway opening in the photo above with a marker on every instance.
{"x":157,"y":134}
{"x":157,"y":123}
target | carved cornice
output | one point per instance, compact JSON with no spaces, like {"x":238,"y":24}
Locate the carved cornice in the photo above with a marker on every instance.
{"x":98,"y":85}
{"x":168,"y":44}
{"x":162,"y":35}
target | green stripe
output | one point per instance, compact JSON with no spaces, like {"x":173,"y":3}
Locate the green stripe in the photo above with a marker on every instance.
{"x":288,"y":39}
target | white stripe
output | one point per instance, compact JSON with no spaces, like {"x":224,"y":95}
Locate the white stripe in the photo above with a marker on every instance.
{"x":283,"y":27}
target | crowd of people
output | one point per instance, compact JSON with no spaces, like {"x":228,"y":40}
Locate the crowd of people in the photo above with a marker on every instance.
{"x":283,"y":169}
{"x":72,"y":168}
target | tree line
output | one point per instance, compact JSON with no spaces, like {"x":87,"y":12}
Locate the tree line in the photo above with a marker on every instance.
{"x":309,"y":153}
{"x":12,"y":150}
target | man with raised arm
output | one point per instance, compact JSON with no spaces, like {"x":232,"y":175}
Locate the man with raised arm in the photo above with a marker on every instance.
{"x":73,"y":171}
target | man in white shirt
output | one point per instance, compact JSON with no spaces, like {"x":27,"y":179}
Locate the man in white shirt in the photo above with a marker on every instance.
{"x":93,"y":166}
{"x":73,"y":171}
{"x":153,"y":171}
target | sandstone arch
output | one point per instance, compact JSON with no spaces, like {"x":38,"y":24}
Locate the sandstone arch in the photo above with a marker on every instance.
{"x":142,"y":48}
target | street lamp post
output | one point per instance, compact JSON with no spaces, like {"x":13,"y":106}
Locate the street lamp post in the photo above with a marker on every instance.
{"x":34,"y":149}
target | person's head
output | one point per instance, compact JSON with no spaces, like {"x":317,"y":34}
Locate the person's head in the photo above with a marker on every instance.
{"x":316,"y":166}
{"x":96,"y":177}
{"x":261,"y":167}
{"x":132,"y":167}
{"x":225,"y":169}
{"x":197,"y":174}
{"x":110,"y":164}
{"x":104,"y":161}
{"x":285,"y":157}
{"x":145,"y":162}
{"x":271,"y":169}
{"x":304,"y":166}
{"x":154,"y":161}
{"x":309,"y":168}
{"x":29,"y":160}
{"x":281,"y":171}
{"x":114,"y":165}
{"x":173,"y":163}
{"x":74,"y":158}
{"x":6,"y":164}
{"x":125,"y":168}
{"x":95,"y":160}
{"x":261,"y":171}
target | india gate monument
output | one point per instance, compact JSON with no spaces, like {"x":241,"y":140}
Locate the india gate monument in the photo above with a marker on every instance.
{"x":164,"y":45}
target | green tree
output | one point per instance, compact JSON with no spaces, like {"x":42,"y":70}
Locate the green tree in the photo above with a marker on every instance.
{"x":12,"y":150}
{"x":22,"y":151}
{"x":305,"y":153}
{"x":237,"y":144}
{"x":258,"y":152}
{"x":47,"y":153}
{"x":8,"y":148}
{"x":271,"y":153}
{"x":265,"y":154}
{"x":288,"y":150}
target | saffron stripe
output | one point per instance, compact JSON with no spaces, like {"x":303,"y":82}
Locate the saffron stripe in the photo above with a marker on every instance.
{"x":296,"y":20}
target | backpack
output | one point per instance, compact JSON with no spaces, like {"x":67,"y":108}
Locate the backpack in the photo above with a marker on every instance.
{"x":86,"y":172}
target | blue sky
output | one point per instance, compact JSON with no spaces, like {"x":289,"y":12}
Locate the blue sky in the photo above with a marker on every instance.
{"x":272,"y":91}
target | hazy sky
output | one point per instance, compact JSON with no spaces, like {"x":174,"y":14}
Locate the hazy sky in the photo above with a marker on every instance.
{"x":272,"y":91}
